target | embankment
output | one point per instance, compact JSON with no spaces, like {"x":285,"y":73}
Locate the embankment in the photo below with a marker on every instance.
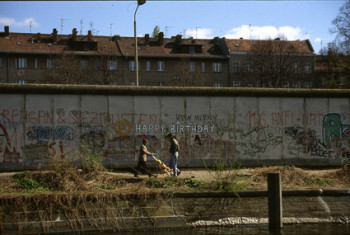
{"x":53,"y":213}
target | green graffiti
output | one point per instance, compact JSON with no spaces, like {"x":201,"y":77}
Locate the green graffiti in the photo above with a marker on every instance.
{"x":334,"y":129}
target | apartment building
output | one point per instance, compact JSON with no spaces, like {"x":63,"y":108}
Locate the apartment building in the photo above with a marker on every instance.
{"x":175,"y":61}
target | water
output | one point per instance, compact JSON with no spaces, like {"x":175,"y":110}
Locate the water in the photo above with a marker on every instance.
{"x":294,"y":229}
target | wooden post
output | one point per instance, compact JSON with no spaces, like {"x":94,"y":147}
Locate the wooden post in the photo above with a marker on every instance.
{"x":275,"y":200}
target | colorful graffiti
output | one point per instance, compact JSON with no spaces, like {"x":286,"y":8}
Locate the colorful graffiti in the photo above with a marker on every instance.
{"x":33,"y":135}
{"x":334,"y":130}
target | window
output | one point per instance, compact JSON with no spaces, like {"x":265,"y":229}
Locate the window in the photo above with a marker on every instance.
{"x":286,"y":85}
{"x":148,"y":83}
{"x":21,"y":63}
{"x":296,"y":85}
{"x":84,"y":64}
{"x":191,"y":66}
{"x":258,"y":68}
{"x":248,"y":67}
{"x":308,"y":84}
{"x":21,"y":81}
{"x":160,"y":83}
{"x":132,"y":83}
{"x":308,"y":68}
{"x":112,"y":83}
{"x":203,"y":67}
{"x":86,"y":47}
{"x":236,"y":83}
{"x":148,"y":65}
{"x":217,"y":84}
{"x":235,"y":66}
{"x":49,"y":63}
{"x":176,"y":77}
{"x":160,"y":66}
{"x":36,"y":63}
{"x":191,"y":49}
{"x":132,"y":65}
{"x":295,"y":68}
{"x":112,"y":65}
{"x":97,"y":65}
{"x":217,"y":67}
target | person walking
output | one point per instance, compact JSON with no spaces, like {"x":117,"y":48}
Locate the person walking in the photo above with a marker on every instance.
{"x":174,"y":153}
{"x":142,"y":165}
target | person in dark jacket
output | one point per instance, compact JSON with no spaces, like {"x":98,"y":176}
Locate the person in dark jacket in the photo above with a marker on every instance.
{"x":142,"y":165}
{"x":174,"y":153}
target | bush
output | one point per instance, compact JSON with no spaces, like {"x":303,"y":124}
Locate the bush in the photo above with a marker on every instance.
{"x":192,"y":183}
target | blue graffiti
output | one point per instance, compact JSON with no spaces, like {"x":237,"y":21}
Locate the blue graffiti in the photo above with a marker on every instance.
{"x":44,"y":133}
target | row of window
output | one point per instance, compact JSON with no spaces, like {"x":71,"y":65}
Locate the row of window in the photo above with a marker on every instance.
{"x":285,"y":84}
{"x":23,"y":81}
{"x":112,"y":65}
{"x":22,"y":63}
{"x":249,"y":68}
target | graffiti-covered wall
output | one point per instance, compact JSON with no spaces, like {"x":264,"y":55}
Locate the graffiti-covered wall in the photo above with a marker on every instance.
{"x":252,"y":126}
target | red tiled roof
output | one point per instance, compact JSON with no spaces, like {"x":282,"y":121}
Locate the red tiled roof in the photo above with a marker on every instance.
{"x":29,"y":43}
{"x":245,"y":45}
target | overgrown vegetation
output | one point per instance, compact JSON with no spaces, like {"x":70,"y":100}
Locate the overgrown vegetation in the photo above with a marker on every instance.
{"x":293,"y":177}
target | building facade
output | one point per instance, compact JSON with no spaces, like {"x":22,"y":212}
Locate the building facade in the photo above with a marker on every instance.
{"x":175,"y":61}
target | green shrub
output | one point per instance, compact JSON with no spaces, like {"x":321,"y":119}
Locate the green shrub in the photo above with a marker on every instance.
{"x":167,"y":182}
{"x":192,"y":183}
{"x":29,"y":184}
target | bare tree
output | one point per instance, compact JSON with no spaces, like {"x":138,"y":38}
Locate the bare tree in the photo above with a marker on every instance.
{"x":274,"y":63}
{"x":335,"y":58}
{"x":100,"y":69}
{"x":187,"y":74}
{"x":65,"y":69}
{"x":342,"y":27}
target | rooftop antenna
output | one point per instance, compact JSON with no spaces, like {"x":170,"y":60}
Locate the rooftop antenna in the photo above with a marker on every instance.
{"x":81,"y":27}
{"x":110,"y":29}
{"x":92,"y":25}
{"x":62,"y":22}
{"x":30,"y":26}
{"x":166,"y":30}
{"x":196,"y":31}
{"x":250,"y":31}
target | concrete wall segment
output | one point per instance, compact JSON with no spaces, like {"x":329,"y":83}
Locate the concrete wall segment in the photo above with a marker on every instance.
{"x":253,"y":126}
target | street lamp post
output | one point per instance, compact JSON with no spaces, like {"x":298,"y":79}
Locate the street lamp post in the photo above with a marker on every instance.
{"x":139,"y":3}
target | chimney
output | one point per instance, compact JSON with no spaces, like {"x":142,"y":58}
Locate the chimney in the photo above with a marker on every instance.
{"x":74,"y":34}
{"x":161,"y":38}
{"x":38,"y":37}
{"x":178,"y":38}
{"x":54,"y":35}
{"x":7,"y":31}
{"x":146,"y":39}
{"x":115,"y":37}
{"x":89,"y":35}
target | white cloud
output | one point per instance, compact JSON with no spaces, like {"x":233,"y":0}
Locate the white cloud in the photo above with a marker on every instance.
{"x":265,"y":32}
{"x":13,"y":22}
{"x":199,"y":33}
{"x":318,"y":40}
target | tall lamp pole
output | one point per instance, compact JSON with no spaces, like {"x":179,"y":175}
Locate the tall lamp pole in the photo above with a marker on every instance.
{"x":139,"y":3}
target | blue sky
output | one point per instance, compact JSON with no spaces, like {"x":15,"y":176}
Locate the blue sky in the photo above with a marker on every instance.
{"x":202,"y":19}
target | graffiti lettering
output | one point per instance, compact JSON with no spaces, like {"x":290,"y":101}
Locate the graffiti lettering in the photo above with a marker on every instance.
{"x":44,"y":133}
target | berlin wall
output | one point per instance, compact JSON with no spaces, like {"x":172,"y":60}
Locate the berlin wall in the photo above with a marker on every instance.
{"x":252,"y":126}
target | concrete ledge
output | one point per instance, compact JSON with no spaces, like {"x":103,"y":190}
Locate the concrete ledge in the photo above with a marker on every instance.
{"x":169,"y":91}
